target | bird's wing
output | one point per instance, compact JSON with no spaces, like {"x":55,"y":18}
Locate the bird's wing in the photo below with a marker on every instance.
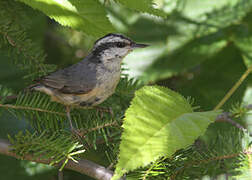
{"x":76,"y":79}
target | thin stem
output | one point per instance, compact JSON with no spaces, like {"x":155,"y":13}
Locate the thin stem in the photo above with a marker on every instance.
{"x":233,"y":89}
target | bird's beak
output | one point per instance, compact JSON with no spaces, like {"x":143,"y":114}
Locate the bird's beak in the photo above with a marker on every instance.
{"x":135,"y":45}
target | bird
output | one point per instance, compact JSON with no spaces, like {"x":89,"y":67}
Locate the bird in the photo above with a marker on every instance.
{"x":92,"y":80}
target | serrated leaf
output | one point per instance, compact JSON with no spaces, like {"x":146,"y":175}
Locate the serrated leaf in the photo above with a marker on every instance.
{"x":228,"y":14}
{"x":158,"y":123}
{"x":218,"y":13}
{"x":145,"y":6}
{"x":88,"y":16}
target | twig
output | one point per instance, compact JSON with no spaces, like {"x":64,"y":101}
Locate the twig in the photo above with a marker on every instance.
{"x":83,"y":166}
{"x":226,"y":117}
{"x":233,"y":89}
{"x":9,"y":97}
{"x":84,"y":132}
{"x":31,"y":108}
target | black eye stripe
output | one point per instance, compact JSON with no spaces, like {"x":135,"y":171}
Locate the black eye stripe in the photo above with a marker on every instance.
{"x":121,"y":44}
{"x":112,"y":44}
{"x":108,"y":45}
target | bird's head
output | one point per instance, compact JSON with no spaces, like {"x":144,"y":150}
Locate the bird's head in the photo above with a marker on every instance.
{"x":114,"y":46}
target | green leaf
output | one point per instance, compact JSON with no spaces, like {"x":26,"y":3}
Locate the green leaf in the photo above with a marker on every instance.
{"x":209,"y":83}
{"x":228,"y":14}
{"x":145,"y":6}
{"x":185,"y":57}
{"x":158,"y":123}
{"x":246,"y":49}
{"x":88,"y":16}
{"x":243,"y":39}
{"x":215,"y":11}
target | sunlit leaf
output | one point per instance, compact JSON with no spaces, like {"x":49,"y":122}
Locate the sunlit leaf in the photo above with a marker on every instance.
{"x":88,"y":16}
{"x":142,"y":6}
{"x":158,"y":122}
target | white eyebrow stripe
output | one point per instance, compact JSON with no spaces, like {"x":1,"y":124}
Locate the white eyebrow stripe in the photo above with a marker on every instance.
{"x":109,"y":39}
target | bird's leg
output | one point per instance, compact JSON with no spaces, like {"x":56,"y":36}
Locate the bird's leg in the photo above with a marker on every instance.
{"x":68,"y":109}
{"x":76,"y":133}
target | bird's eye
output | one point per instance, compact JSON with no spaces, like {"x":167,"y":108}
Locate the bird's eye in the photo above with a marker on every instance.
{"x":120,"y":44}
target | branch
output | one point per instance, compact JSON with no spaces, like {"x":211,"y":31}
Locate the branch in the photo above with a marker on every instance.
{"x":226,"y":117}
{"x":9,"y":97}
{"x":84,"y":132}
{"x":83,"y":166}
{"x":173,"y":177}
{"x":21,"y":49}
{"x":31,"y":108}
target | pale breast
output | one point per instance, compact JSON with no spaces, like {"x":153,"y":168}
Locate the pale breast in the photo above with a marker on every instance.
{"x":107,"y":84}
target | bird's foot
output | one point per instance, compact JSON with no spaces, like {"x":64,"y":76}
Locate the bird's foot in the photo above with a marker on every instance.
{"x":76,"y":132}
{"x":101,"y":110}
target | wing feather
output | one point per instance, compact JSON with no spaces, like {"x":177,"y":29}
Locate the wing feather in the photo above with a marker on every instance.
{"x":76,"y":79}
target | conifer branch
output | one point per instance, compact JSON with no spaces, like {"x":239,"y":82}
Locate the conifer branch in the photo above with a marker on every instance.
{"x":82,"y":132}
{"x":31,"y":108}
{"x":224,"y":117}
{"x":9,"y":97}
{"x":20,"y":49}
{"x":83,"y":166}
{"x":228,"y":156}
